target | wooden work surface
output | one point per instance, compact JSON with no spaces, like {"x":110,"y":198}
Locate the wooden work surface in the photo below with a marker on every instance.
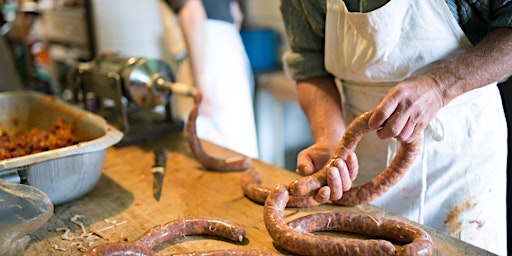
{"x":124,"y":195}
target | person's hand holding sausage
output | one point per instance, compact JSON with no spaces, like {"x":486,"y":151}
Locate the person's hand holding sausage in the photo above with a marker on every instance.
{"x":407,"y":109}
{"x":339,"y":178}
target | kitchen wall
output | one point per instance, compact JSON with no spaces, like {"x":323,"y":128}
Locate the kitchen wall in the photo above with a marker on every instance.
{"x":134,"y":28}
{"x":130,"y":27}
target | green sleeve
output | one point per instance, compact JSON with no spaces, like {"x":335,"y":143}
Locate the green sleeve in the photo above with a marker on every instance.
{"x":305,"y":25}
{"x":501,"y":14}
{"x":479,"y":18}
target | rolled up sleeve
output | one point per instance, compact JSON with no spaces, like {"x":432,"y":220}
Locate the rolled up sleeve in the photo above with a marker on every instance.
{"x":501,"y":14}
{"x":304,"y":24}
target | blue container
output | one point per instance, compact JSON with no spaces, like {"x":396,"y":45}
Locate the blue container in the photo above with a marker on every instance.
{"x":261,"y":48}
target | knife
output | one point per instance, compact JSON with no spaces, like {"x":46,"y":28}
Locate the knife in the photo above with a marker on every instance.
{"x":158,"y":170}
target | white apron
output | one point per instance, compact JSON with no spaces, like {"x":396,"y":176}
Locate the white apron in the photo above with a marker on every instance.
{"x":229,"y":81}
{"x":459,"y":177}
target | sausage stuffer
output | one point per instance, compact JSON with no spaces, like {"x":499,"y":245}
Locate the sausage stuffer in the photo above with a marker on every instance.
{"x":133,"y":94}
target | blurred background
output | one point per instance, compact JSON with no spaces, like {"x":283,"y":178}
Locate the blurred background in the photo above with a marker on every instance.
{"x":41,"y":41}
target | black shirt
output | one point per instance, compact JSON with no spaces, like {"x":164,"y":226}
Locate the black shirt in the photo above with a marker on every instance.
{"x":215,"y":9}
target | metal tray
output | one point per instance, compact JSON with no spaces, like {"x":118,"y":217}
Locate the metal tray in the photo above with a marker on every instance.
{"x":64,"y":174}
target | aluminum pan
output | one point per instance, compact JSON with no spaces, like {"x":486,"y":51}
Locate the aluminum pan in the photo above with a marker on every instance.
{"x":64,"y":173}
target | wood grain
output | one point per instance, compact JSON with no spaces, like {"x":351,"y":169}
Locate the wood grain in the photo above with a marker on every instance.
{"x":124,"y":193}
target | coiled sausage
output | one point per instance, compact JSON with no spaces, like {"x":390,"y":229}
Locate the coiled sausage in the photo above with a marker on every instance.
{"x":173,"y":229}
{"x":240,"y":252}
{"x":304,"y":243}
{"x":416,"y":241}
{"x":308,"y":185}
{"x":252,"y":188}
{"x":238,"y":163}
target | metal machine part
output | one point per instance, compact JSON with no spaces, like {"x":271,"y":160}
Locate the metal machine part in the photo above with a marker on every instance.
{"x":132,"y":93}
{"x":64,"y":174}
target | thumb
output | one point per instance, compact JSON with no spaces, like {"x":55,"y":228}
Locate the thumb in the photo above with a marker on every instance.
{"x":304,"y":166}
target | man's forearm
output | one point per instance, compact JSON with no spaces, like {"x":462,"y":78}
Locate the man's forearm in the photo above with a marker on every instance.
{"x":487,"y":62}
{"x":192,"y":17}
{"x":320,"y":101}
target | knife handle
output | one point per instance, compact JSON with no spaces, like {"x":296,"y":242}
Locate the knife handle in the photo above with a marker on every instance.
{"x":160,"y":157}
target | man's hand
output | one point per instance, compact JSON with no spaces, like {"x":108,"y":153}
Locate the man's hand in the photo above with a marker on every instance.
{"x":407,"y":109}
{"x":313,"y":158}
{"x":339,"y":177}
{"x":412,"y":104}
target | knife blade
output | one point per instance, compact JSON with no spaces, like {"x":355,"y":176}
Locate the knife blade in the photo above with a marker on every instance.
{"x":158,"y":170}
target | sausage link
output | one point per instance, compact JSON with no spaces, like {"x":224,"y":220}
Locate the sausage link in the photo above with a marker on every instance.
{"x":120,"y":248}
{"x":305,"y":243}
{"x":417,"y":241}
{"x":251,"y":187}
{"x":308,"y":185}
{"x":173,"y":229}
{"x":195,"y":226}
{"x":237,"y":163}
{"x":229,"y":252}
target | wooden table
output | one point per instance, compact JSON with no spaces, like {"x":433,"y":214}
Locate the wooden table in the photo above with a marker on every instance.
{"x":124,"y":197}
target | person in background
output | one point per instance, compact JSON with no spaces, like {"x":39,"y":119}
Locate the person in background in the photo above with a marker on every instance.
{"x":427,"y":68}
{"x":220,"y":68}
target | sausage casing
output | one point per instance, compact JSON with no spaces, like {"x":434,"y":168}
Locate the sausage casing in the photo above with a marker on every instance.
{"x":173,"y":229}
{"x":416,"y":241}
{"x":252,"y":188}
{"x":191,"y":226}
{"x":308,"y":185}
{"x":227,"y":252}
{"x":305,"y":243}
{"x":238,"y":163}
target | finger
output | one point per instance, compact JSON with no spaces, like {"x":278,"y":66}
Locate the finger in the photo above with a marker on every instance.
{"x":304,"y":169}
{"x":352,"y":165}
{"x":322,"y":195}
{"x":378,"y":119}
{"x":393,"y":126}
{"x":407,"y":131}
{"x":304,"y":164}
{"x":416,"y":133}
{"x":335,"y":183}
{"x":382,"y":113}
{"x":344,"y":175}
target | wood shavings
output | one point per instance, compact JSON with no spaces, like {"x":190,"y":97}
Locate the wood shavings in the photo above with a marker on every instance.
{"x":86,"y":238}
{"x":114,"y":223}
{"x":67,"y":234}
{"x":75,"y":219}
{"x":79,"y":246}
{"x":57,"y":248}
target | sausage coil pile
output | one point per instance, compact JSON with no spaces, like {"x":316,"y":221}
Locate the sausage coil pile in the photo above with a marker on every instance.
{"x":296,"y":236}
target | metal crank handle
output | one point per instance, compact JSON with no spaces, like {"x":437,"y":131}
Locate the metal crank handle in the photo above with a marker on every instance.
{"x":176,"y":88}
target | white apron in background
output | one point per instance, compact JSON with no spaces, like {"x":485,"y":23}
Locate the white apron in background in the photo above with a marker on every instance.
{"x":228,"y":83}
{"x":461,"y":168}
